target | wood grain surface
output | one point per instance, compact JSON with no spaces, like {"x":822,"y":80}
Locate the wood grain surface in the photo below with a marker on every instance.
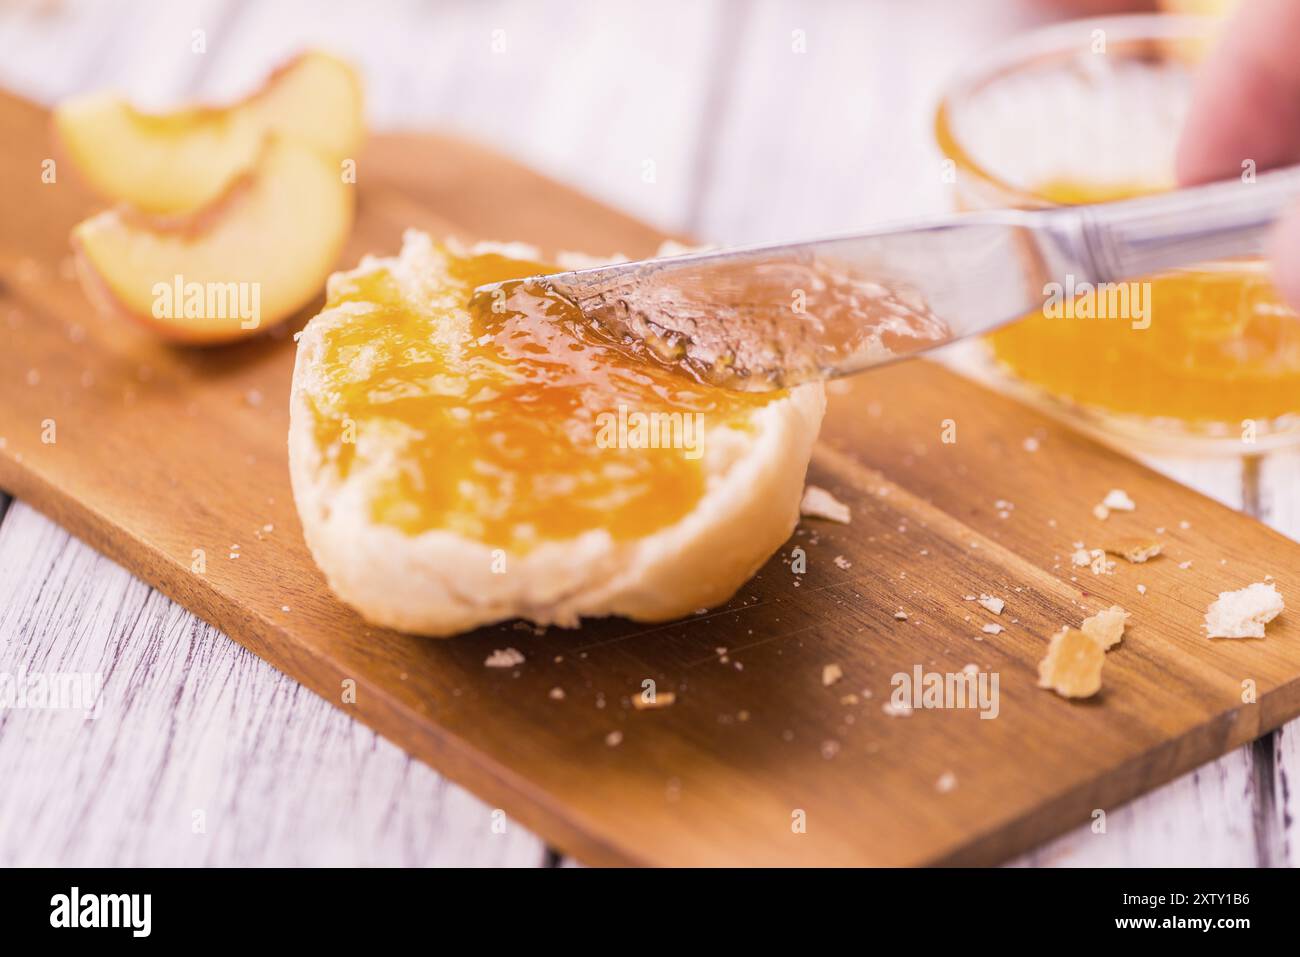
{"x":162,"y":452}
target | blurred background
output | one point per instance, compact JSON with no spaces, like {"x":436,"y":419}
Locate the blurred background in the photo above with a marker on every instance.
{"x":729,"y":120}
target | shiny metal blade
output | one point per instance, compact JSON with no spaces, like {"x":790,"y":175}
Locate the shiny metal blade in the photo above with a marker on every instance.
{"x":768,"y":317}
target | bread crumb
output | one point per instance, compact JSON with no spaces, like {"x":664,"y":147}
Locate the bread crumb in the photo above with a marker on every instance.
{"x":1106,"y":627}
{"x":1142,"y":589}
{"x":819,"y":503}
{"x":1185,"y":565}
{"x":556,"y":693}
{"x":900,"y":615}
{"x":614,"y":739}
{"x":1030,"y":444}
{"x":1100,"y":512}
{"x":1093,"y":558}
{"x":1135,"y":550}
{"x":947,"y":781}
{"x":992,"y":603}
{"x":1072,"y":666}
{"x":662,"y":699}
{"x":1117,"y":500}
{"x":842,"y":563}
{"x":991,"y":629}
{"x":830,"y":674}
{"x":896,"y":710}
{"x":504,"y":658}
{"x":1243,"y":613}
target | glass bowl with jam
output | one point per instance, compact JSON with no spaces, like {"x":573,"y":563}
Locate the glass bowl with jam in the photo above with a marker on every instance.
{"x":1198,"y":360}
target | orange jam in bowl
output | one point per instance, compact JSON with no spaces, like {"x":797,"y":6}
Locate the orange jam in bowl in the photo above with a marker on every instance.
{"x":1092,"y":111}
{"x":507,"y":420}
{"x":1212,"y":346}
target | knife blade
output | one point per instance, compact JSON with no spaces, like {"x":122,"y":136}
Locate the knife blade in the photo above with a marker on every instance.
{"x":773,"y":316}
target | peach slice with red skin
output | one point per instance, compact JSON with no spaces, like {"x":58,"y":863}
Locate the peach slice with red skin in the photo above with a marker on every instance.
{"x":168,"y":163}
{"x":245,"y":262}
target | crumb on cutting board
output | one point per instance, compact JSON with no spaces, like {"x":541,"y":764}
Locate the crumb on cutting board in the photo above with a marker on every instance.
{"x":1106,"y":627}
{"x":1093,"y":559}
{"x":661,"y":699}
{"x":1117,"y":500}
{"x":1135,"y":551}
{"x":1072,"y":666}
{"x":504,"y":658}
{"x":1243,"y":613}
{"x":819,"y":503}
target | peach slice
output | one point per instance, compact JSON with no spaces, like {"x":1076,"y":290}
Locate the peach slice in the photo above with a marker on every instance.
{"x":180,"y":161}
{"x":245,"y":262}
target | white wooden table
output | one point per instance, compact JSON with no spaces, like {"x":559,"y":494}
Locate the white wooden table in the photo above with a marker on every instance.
{"x":727,"y":120}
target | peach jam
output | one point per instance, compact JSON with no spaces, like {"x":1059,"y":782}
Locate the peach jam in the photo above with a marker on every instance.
{"x":1217,"y":346}
{"x":507,"y":421}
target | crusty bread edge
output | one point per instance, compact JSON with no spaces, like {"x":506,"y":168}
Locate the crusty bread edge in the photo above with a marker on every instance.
{"x":438,"y":583}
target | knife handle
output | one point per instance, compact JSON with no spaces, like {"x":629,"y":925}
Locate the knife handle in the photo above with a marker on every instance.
{"x":1225,"y":220}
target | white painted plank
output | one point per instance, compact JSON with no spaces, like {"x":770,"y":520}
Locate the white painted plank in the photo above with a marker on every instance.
{"x":1280,"y":503}
{"x":192,"y":728}
{"x":1284,"y":815}
{"x":605,"y":96}
{"x":838,"y":135}
{"x":1203,"y":819}
{"x":1280,"y":478}
{"x":144,"y":48}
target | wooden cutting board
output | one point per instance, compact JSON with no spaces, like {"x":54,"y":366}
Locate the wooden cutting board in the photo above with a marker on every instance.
{"x":160,"y":451}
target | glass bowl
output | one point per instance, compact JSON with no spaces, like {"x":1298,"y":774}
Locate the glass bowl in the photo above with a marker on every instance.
{"x":1090,"y":111}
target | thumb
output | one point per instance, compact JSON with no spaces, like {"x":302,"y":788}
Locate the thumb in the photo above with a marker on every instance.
{"x":1246,"y":100}
{"x":1246,"y":106}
